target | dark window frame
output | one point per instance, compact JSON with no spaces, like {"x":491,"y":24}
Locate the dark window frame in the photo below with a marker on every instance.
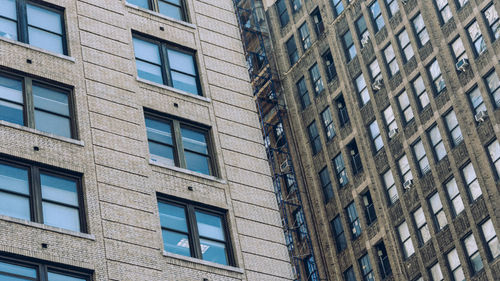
{"x":319,"y":26}
{"x":405,"y":47}
{"x":422,"y":170}
{"x":493,"y":35}
{"x":326,"y":184}
{"x":328,"y":125}
{"x":282,"y":11}
{"x":293,"y":54}
{"x":328,"y":62}
{"x":154,"y":6}
{"x":305,"y":36}
{"x":353,"y":220}
{"x":436,"y":146}
{"x":304,"y":98}
{"x":417,"y":32}
{"x":389,"y":5}
{"x":348,"y":46}
{"x":473,"y":255}
{"x":369,"y":208}
{"x":337,"y":7}
{"x":340,"y":171}
{"x":487,"y":242}
{"x":376,"y":17}
{"x":438,"y":78}
{"x":454,"y":141}
{"x":365,"y":267}
{"x":477,"y":49}
{"x":316,"y":79}
{"x":442,"y":12}
{"x":403,"y":110}
{"x":314,"y":138}
{"x":493,"y":92}
{"x":340,"y":238}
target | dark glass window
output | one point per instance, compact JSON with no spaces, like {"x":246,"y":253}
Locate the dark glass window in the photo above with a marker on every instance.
{"x":436,"y":76}
{"x":296,"y":5}
{"x":472,"y":251}
{"x":476,"y":37}
{"x":420,"y":29}
{"x":314,"y":138}
{"x":383,"y":260}
{"x":310,"y":268}
{"x":162,"y":63}
{"x":349,"y":48}
{"x":47,"y":196}
{"x":303,"y":93}
{"x":338,"y":232}
{"x":342,"y":111}
{"x":404,"y":43}
{"x":316,"y":79}
{"x":326,"y":184}
{"x":491,"y":238}
{"x":370,"y":214}
{"x":282,"y":12}
{"x":299,"y":224}
{"x":377,"y":16}
{"x":192,"y":230}
{"x":305,"y":36}
{"x":291,"y":48}
{"x":176,"y":143}
{"x":338,"y":163}
{"x":444,"y":10}
{"x":319,"y":26}
{"x":45,"y":107}
{"x":328,"y":126}
{"x":352,"y":216}
{"x":392,"y":6}
{"x":493,"y":85}
{"x":366,"y":268}
{"x":361,"y":28}
{"x":349,"y":274}
{"x":33,"y":23}
{"x":331,"y":72}
{"x":338,"y":7}
{"x":170,"y":8}
{"x":491,"y":16}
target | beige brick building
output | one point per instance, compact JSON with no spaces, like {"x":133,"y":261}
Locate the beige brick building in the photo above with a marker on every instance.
{"x":130,"y":146}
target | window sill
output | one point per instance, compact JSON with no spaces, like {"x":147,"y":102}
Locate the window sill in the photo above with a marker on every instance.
{"x":172,"y":89}
{"x":203,"y":262}
{"x":35,"y":131}
{"x":31,"y":47}
{"x":48,"y":227}
{"x":186,"y":171}
{"x":184,"y":23}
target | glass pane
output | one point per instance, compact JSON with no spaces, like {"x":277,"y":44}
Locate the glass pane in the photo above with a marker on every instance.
{"x":194,"y":140}
{"x":147,"y":51}
{"x":170,"y":10}
{"x":213,"y":251}
{"x":14,"y":179}
{"x":403,"y":231}
{"x":210,"y":226}
{"x":470,"y":244}
{"x":11,"y":89}
{"x":441,"y":219}
{"x":141,"y":3}
{"x":182,"y":62}
{"x":45,"y":40}
{"x":458,"y":205}
{"x":59,"y":189}
{"x":419,"y":150}
{"x":458,"y":275}
{"x":173,"y":217}
{"x":469,"y":173}
{"x":53,"y":124}
{"x":409,"y":248}
{"x":426,"y":235}
{"x":161,"y":153}
{"x":61,"y":216}
{"x":197,"y":163}
{"x":17,"y":269}
{"x":159,"y":131}
{"x":50,"y":100}
{"x":14,"y":206}
{"x":11,"y":112}
{"x":488,"y":230}
{"x":419,"y":217}
{"x":176,"y":243}
{"x":494,"y":150}
{"x":8,"y":29}
{"x":494,"y":247}
{"x":436,"y":273}
{"x":44,"y":19}
{"x":493,"y":81}
{"x":60,"y":277}
{"x":149,"y":71}
{"x":184,"y":82}
{"x":8,"y":9}
{"x":452,"y":188}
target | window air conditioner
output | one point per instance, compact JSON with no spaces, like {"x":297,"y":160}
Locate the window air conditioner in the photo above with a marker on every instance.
{"x":408,"y":184}
{"x":284,"y":166}
{"x":462,"y":64}
{"x":365,"y":39}
{"x":481,"y":115}
{"x":377,"y":84}
{"x":393,"y":132}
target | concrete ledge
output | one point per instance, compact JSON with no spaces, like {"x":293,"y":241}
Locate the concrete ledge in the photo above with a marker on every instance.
{"x":28,"y":46}
{"x":184,"y":23}
{"x":172,"y":89}
{"x":186,"y":171}
{"x":35,"y":131}
{"x":203,"y":262}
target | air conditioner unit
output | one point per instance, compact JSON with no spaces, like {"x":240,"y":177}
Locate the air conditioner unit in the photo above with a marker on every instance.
{"x":284,"y":166}
{"x":393,"y":132}
{"x":404,"y":2}
{"x":408,"y":184}
{"x":365,"y":39}
{"x":377,"y":84}
{"x":481,"y":115}
{"x":462,"y":64}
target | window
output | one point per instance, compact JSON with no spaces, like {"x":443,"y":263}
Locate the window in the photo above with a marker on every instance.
{"x":349,"y":273}
{"x":422,"y":229}
{"x":423,"y":163}
{"x":376,"y":16}
{"x":361,"y":28}
{"x":342,"y":111}
{"x":476,"y":100}
{"x":475,"y":260}
{"x":404,"y":105}
{"x":420,"y":30}
{"x":319,"y":27}
{"x":436,"y":76}
{"x":326,"y":118}
{"x":177,"y":143}
{"x":390,"y":59}
{"x":316,"y":79}
{"x":458,"y":49}
{"x":338,"y":232}
{"x":404,"y":168}
{"x":170,"y":8}
{"x":390,"y":187}
{"x":303,"y":93}
{"x":455,"y":266}
{"x":338,"y":7}
{"x":314,"y":138}
{"x":282,"y":12}
{"x":331,"y":72}
{"x":493,"y":84}
{"x":45,"y":107}
{"x":296,"y":5}
{"x":299,"y":224}
{"x":437,"y":143}
{"x":405,"y":239}
{"x":444,"y":10}
{"x":340,"y":171}
{"x":361,"y":89}
{"x":326,"y":184}
{"x":349,"y":48}
{"x":305,"y":36}
{"x":390,"y":121}
{"x":439,"y":216}
{"x":491,"y":16}
{"x":419,"y":88}
{"x":34,"y":24}
{"x":404,"y":43}
{"x":378,"y":143}
{"x":375,"y":70}
{"x":494,"y":152}
{"x":194,"y":231}
{"x":162,"y":63}
{"x":453,"y":129}
{"x":435,"y":272}
{"x":383,"y":260}
{"x":491,"y":239}
{"x":461,"y":3}
{"x":370,"y":214}
{"x":353,"y":219}
{"x":42,"y":195}
{"x":20,"y":269}
{"x":476,"y":37}
{"x":392,"y":7}
{"x":357,"y":166}
{"x":454,"y":196}
{"x":471,"y":181}
{"x":310,"y":268}
{"x":293,"y":54}
{"x":366,"y":268}
{"x":291,"y":183}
